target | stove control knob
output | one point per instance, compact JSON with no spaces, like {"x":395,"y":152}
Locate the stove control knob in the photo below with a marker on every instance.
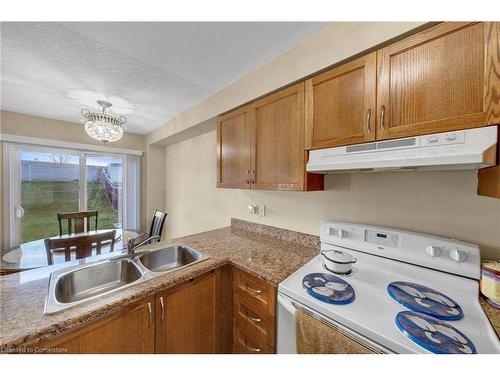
{"x":340,"y":233}
{"x":458,"y":256}
{"x":451,"y":137}
{"x":433,"y":251}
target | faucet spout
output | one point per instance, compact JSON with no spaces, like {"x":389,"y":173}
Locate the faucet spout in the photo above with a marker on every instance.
{"x":132,"y":246}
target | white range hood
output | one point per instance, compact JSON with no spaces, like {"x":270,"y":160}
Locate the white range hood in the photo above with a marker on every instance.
{"x":464,"y":149}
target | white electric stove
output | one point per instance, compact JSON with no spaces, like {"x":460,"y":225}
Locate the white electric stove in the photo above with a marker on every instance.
{"x":407,"y":293}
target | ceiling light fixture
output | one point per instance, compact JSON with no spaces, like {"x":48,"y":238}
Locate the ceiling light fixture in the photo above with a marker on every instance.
{"x":103,"y":126}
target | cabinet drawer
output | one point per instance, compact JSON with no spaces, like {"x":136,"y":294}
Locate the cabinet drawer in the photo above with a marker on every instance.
{"x":256,"y":290}
{"x":246,"y":343}
{"x":254,"y":318}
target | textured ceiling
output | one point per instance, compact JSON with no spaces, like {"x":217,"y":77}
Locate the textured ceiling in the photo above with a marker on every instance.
{"x":149,"y":71}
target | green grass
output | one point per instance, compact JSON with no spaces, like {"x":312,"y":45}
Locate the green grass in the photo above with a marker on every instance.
{"x":42,"y":200}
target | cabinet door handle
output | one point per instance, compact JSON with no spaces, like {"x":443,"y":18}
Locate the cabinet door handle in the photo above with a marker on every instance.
{"x":247,"y":180}
{"x":150,"y":310}
{"x":368,"y":115}
{"x":382,"y":118}
{"x":162,"y":308}
{"x":256,"y":291}
{"x":252,"y":176}
{"x":250,"y":347}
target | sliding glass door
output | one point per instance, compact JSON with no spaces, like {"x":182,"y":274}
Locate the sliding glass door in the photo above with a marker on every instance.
{"x":46,"y":181}
{"x":104,"y":189}
{"x":49,"y":184}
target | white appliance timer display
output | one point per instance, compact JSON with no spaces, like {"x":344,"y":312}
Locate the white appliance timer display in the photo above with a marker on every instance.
{"x":382,"y":238}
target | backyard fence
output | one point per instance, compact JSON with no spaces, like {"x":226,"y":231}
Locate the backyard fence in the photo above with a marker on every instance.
{"x":35,"y":170}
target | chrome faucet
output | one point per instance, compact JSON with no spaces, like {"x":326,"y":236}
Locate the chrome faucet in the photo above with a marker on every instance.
{"x":132,"y":246}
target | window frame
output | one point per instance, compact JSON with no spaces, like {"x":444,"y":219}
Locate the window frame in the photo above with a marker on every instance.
{"x":12,"y":179}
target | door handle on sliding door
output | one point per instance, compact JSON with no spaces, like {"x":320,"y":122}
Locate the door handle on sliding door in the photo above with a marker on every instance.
{"x":18,"y":212}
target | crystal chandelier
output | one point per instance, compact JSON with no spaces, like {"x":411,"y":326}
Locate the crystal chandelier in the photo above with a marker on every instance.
{"x":102,"y":126}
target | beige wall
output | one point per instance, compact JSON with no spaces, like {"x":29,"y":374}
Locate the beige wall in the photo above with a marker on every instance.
{"x":40,"y":127}
{"x":334,"y":43}
{"x":155,"y":180}
{"x":1,"y":191}
{"x":440,"y":203}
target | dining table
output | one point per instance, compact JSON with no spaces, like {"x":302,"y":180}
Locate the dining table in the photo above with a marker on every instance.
{"x":30,"y":255}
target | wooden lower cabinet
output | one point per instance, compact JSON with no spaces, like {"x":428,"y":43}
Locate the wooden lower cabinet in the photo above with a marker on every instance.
{"x":130,"y":331}
{"x":187,"y":317}
{"x":254,"y":311}
{"x":256,"y":290}
{"x":225,"y":310}
{"x":247,"y":341}
{"x":253,"y":319}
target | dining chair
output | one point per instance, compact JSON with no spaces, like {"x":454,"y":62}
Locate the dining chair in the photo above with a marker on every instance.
{"x":81,"y":245}
{"x":157,"y":224}
{"x":78,"y":222}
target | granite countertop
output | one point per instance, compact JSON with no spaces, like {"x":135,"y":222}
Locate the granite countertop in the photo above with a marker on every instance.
{"x":492,"y":313}
{"x":269,"y":253}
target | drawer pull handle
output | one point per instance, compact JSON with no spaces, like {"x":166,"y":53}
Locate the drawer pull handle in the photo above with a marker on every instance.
{"x":256,"y":291}
{"x":251,"y":348}
{"x":258,"y":320}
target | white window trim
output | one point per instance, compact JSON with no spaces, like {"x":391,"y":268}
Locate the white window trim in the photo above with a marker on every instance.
{"x":10,"y":173}
{"x":67,"y":145}
{"x":8,"y":193}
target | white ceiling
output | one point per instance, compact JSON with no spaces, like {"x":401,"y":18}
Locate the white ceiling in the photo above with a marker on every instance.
{"x":149,"y":71}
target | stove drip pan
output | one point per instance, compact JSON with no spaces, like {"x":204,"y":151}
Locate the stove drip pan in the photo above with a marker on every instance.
{"x":425,"y":300}
{"x":432,"y":334}
{"x":328,"y":288}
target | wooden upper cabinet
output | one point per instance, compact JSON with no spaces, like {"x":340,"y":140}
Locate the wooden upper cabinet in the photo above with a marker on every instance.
{"x":234,"y":149}
{"x":261,"y":145}
{"x":444,"y":78}
{"x":340,"y":104}
{"x":278,"y":147}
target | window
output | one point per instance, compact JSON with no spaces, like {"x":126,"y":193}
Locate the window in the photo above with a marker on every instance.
{"x":104,"y":189}
{"x":49,"y":184}
{"x":44,"y":181}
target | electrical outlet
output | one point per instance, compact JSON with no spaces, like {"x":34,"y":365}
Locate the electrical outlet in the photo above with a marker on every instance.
{"x":261,"y":210}
{"x":254,"y":209}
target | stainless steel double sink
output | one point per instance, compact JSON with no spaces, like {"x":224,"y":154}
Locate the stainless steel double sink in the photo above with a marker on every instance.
{"x":72,"y":286}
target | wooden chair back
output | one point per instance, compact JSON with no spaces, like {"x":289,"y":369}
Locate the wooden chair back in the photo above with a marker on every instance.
{"x":78,"y":222}
{"x":81,"y":245}
{"x":157,"y":224}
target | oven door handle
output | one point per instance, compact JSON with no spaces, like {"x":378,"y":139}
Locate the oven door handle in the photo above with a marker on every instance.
{"x":288,"y":306}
